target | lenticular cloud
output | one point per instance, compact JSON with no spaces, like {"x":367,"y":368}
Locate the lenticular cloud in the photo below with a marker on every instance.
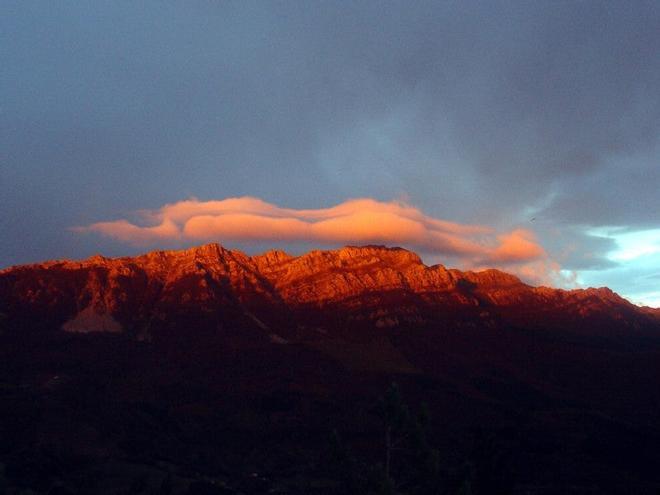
{"x":357,"y":221}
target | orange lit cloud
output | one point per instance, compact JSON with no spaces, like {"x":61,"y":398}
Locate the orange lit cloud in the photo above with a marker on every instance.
{"x":357,"y":221}
{"x":517,"y":245}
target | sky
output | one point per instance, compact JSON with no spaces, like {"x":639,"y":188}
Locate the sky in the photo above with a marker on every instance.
{"x":520,"y":135}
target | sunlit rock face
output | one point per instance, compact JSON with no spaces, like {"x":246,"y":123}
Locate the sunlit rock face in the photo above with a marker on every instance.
{"x":372,"y":288}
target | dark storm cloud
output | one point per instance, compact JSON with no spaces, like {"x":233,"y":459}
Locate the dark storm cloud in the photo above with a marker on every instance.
{"x":486,"y":112}
{"x":623,"y":191}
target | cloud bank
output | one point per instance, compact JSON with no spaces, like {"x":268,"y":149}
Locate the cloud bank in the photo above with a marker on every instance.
{"x":356,"y":221}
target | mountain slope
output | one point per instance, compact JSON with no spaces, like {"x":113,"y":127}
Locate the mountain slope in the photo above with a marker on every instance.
{"x":190,"y":362}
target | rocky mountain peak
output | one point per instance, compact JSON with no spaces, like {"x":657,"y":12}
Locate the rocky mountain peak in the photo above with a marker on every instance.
{"x":493,"y":278}
{"x":395,"y":255}
{"x":272,"y":258}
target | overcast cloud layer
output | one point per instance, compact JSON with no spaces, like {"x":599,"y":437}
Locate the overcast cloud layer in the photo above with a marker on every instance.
{"x":537,"y":116}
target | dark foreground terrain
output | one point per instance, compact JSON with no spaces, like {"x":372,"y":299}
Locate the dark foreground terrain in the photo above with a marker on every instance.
{"x":208,"y":372}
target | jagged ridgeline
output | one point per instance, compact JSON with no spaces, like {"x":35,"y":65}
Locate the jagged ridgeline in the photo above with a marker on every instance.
{"x":284,"y":298}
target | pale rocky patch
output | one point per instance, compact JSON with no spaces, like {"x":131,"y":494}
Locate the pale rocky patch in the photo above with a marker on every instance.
{"x":91,"y":320}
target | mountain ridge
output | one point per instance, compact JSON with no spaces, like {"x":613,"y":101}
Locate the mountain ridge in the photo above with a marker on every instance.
{"x":207,"y":252}
{"x":367,"y":286}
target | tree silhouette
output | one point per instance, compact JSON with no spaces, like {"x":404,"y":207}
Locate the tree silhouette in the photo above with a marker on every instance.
{"x":410,"y":464}
{"x":486,"y":471}
{"x":395,"y":415}
{"x":344,"y":467}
